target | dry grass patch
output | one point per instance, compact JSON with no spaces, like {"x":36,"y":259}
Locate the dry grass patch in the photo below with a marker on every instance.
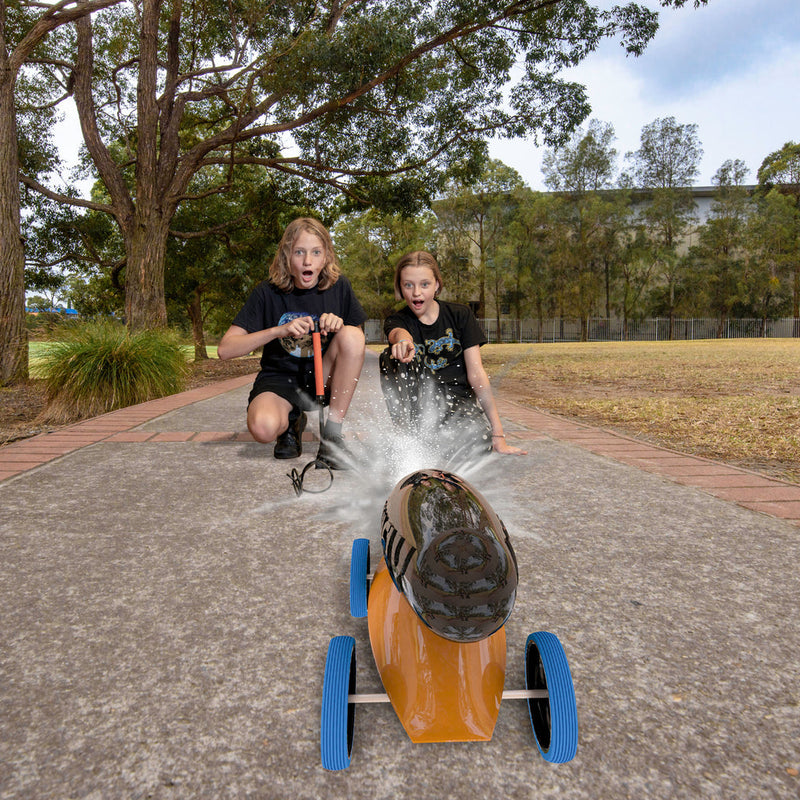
{"x":734,"y":400}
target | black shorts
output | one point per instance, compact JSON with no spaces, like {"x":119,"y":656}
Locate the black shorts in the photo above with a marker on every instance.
{"x":299,"y":392}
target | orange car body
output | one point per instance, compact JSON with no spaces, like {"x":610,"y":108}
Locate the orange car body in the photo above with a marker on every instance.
{"x":441,"y":690}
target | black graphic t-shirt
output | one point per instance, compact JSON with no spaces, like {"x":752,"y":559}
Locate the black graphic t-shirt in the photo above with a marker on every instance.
{"x":268,"y":307}
{"x":440,"y":347}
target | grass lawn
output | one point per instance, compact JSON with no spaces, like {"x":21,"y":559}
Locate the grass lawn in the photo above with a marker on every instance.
{"x":736,"y":400}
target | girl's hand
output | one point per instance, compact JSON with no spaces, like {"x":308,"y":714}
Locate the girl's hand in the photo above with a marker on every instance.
{"x":404,"y":351}
{"x":330,"y":323}
{"x":499,"y":445}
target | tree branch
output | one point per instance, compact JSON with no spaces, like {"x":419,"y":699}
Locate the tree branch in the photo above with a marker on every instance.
{"x":64,"y":199}
{"x":221,"y":228}
{"x":56,"y":15}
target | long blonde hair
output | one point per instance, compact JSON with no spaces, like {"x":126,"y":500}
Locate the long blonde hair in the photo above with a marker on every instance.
{"x":279,"y":271}
{"x":418,"y":258}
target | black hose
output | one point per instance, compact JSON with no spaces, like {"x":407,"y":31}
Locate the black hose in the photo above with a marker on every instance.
{"x":299,"y":477}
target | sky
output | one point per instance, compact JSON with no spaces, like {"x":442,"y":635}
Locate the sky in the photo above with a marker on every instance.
{"x":731,"y":67}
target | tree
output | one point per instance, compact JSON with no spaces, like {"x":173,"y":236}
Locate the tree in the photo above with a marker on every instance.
{"x":781,"y":170}
{"x":525,"y":251}
{"x":636,"y":268}
{"x":772,"y":254}
{"x":371,"y":100}
{"x":586,"y":164}
{"x":24,"y":26}
{"x":221,"y":245}
{"x":369,"y":245}
{"x":720,"y":251}
{"x":480,"y":210}
{"x":668,"y":156}
{"x":587,"y":218}
{"x":663,"y":169}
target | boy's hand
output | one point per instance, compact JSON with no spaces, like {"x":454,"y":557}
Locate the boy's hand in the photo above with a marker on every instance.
{"x":404,"y":351}
{"x":330,"y":323}
{"x":296,"y":328}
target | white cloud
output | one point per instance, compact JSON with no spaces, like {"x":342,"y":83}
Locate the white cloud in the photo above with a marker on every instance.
{"x":733,"y":68}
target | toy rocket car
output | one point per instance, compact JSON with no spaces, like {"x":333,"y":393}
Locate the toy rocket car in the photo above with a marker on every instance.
{"x":436,"y":607}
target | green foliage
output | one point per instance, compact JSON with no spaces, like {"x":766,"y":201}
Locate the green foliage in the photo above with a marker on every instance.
{"x":782,"y":168}
{"x":668,"y":157}
{"x":773,"y":251}
{"x":473,"y":216}
{"x":47,"y":324}
{"x":99,"y":366}
{"x":369,"y":244}
{"x":719,"y":254}
{"x":586,"y":164}
{"x":379,"y":102}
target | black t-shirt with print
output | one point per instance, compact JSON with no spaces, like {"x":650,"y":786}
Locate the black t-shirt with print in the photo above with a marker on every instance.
{"x":440,"y":346}
{"x":268,"y":307}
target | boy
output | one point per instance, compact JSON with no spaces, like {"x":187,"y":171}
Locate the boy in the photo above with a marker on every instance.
{"x":305,"y":285}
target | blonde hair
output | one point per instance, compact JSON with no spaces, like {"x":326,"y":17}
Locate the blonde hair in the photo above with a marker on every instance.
{"x":419,"y":258}
{"x":280,"y":273}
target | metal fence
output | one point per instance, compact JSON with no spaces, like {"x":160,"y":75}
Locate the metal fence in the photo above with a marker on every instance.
{"x":613,"y":330}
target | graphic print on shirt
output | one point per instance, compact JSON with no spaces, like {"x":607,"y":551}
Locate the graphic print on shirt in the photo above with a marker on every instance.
{"x":302,"y":347}
{"x":435,"y":348}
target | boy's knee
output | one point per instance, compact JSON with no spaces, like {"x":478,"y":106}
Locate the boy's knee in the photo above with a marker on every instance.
{"x":265,"y":427}
{"x":351,"y":340}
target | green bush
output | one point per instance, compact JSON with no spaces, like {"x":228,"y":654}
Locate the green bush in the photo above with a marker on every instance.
{"x":98,"y":367}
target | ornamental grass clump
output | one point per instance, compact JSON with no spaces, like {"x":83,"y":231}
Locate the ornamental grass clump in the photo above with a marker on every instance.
{"x":99,"y":367}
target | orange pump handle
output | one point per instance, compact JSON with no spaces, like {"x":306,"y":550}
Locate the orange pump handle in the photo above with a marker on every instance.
{"x":316,"y":343}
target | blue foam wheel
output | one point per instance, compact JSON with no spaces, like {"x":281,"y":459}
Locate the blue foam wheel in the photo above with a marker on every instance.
{"x":338,"y":716}
{"x":555,"y":718}
{"x":359,"y":569}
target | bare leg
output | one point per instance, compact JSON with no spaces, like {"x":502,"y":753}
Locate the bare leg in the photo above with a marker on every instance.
{"x":268,"y":416}
{"x":342,"y":366}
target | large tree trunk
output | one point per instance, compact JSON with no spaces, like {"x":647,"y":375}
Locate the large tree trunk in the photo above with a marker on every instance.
{"x":145,"y":304}
{"x":13,"y":335}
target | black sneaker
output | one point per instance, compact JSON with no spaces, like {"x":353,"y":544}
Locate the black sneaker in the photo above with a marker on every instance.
{"x":334,"y":454}
{"x":290,"y":443}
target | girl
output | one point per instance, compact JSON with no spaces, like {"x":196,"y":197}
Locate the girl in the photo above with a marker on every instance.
{"x":305,"y":285}
{"x":442,"y":340}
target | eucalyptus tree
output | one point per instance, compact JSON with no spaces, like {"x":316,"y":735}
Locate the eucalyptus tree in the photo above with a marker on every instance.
{"x":780,"y":170}
{"x":636,"y":268}
{"x":720,"y":250}
{"x":367,"y":98}
{"x":480,"y":210}
{"x":587,"y":163}
{"x":771,"y":244}
{"x":526,"y":250}
{"x":663,"y":170}
{"x":370,"y":243}
{"x":24,"y":29}
{"x":583,"y":172}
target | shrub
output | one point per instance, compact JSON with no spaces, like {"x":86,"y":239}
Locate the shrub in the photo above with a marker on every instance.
{"x":98,"y":367}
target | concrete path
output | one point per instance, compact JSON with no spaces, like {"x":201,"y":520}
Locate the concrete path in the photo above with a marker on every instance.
{"x":167,"y":601}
